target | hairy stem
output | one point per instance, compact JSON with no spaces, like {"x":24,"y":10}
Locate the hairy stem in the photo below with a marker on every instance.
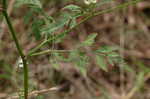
{"x":20,"y":51}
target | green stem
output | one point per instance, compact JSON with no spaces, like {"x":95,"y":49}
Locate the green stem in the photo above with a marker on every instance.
{"x":85,"y":19}
{"x":50,"y":51}
{"x":20,"y":51}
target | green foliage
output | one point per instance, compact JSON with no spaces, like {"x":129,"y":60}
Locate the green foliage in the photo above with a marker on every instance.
{"x":39,"y":97}
{"x":107,"y":55}
{"x":90,"y":40}
{"x":140,"y":79}
{"x":107,"y":49}
{"x":75,"y":12}
{"x":73,"y":8}
{"x":80,"y":60}
{"x":128,"y":68}
{"x":65,"y":17}
{"x":21,"y":97}
{"x":36,"y":25}
{"x":27,"y":17}
{"x":20,"y":93}
{"x":66,"y":22}
{"x":104,"y":2}
{"x":61,"y":58}
{"x":101,"y":61}
{"x":30,"y":15}
{"x":36,"y":3}
{"x":143,"y":67}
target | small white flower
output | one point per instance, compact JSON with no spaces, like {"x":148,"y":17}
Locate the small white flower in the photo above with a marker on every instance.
{"x":94,"y":1}
{"x":20,"y":63}
{"x":89,"y":1}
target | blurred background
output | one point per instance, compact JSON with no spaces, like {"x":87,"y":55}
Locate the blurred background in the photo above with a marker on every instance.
{"x":128,"y":28}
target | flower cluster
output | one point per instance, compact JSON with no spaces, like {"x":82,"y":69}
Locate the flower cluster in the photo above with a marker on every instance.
{"x":89,"y":1}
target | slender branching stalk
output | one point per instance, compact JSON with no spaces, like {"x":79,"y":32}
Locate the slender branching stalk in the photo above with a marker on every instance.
{"x":87,"y":17}
{"x":50,"y":51}
{"x":20,"y":51}
{"x":32,"y":52}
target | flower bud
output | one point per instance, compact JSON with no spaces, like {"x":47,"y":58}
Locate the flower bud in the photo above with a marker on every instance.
{"x":89,"y":1}
{"x":20,"y":63}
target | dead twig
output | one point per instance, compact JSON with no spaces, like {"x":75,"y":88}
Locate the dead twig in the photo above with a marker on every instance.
{"x":35,"y":93}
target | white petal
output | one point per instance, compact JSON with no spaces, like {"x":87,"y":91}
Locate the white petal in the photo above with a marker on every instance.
{"x":87,"y":2}
{"x":94,"y":1}
{"x":20,"y":63}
